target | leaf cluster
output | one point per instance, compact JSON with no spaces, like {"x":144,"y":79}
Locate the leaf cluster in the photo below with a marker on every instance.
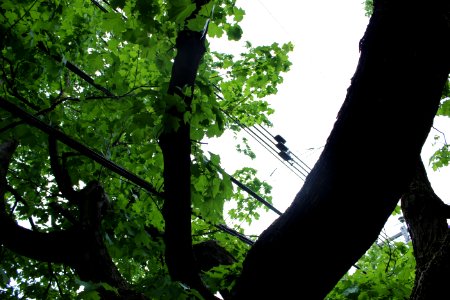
{"x":99,"y":71}
{"x":384,"y":272}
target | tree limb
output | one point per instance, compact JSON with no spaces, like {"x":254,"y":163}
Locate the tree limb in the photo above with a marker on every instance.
{"x":368,"y":161}
{"x":426,"y":216}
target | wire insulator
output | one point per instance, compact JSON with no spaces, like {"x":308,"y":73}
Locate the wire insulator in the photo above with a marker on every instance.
{"x":285,"y":156}
{"x":282,"y":147}
{"x":280,"y":139}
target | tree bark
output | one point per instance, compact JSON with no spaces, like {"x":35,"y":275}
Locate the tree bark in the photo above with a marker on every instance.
{"x":426,"y":216}
{"x":175,"y":144}
{"x":368,"y":161}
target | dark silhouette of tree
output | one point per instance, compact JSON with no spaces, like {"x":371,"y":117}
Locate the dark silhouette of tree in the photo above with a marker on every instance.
{"x":368,"y":161}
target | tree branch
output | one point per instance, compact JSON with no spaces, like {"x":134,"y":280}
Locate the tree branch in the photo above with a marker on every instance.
{"x":426,"y":216}
{"x":62,"y":137}
{"x":176,"y":148}
{"x":61,"y":174}
{"x":368,"y":161}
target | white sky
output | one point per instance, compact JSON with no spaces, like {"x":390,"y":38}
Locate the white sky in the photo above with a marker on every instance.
{"x":325,"y":34}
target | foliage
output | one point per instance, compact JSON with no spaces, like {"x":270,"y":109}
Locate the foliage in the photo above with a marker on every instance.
{"x":368,"y":7}
{"x":98,"y":71}
{"x":441,"y":157}
{"x":384,"y":272}
{"x":246,"y":210}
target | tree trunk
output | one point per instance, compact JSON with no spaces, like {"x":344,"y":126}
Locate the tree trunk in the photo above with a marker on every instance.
{"x":426,"y":216}
{"x":175,"y":144}
{"x":368,"y":161}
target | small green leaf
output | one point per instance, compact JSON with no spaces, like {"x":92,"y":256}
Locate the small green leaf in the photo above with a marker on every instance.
{"x":180,"y":10}
{"x":196,"y":24}
{"x":234,"y":32}
{"x":238,"y":14}
{"x":444,"y":109}
{"x":215,"y":159}
{"x":89,"y":295}
{"x":214,"y":30}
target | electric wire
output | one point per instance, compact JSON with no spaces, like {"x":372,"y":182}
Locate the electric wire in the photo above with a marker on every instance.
{"x":97,"y":157}
{"x":263,"y":143}
{"x":284,"y":153}
{"x":266,"y":146}
{"x":280,"y":147}
{"x":303,"y":165}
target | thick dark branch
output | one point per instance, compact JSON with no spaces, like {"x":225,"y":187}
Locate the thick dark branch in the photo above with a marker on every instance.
{"x":369,"y":159}
{"x":57,"y":247}
{"x":176,"y":149}
{"x":80,"y":247}
{"x":51,"y":247}
{"x":426,"y":216}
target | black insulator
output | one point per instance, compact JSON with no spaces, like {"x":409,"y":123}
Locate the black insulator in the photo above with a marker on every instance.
{"x":280,"y":139}
{"x":282,"y":147}
{"x":285,"y":156}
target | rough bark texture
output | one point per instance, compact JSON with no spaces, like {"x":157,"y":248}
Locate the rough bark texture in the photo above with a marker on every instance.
{"x":426,"y":216}
{"x":368,"y":161}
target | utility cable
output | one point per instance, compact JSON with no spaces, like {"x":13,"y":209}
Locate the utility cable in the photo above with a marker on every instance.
{"x":255,"y":136}
{"x":62,"y":137}
{"x":284,"y":151}
{"x":283,"y":148}
{"x":255,"y":195}
{"x":235,"y":233}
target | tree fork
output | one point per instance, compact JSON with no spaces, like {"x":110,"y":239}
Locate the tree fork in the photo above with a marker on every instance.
{"x":80,"y":247}
{"x":368,"y":161}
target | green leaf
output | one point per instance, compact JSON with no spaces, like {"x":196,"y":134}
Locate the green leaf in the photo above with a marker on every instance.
{"x":197,"y":24}
{"x":234,"y":32}
{"x":114,"y":22}
{"x":215,"y":158}
{"x":238,"y":14}
{"x":444,"y":108}
{"x":89,"y":295}
{"x":214,"y":30}
{"x":180,"y":10}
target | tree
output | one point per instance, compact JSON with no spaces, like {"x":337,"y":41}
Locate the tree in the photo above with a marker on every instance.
{"x":346,"y":191}
{"x":426,"y":216}
{"x":101,"y":74}
{"x":90,"y":93}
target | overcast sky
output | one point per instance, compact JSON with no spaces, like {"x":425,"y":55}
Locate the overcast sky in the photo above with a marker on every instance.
{"x":325,"y":34}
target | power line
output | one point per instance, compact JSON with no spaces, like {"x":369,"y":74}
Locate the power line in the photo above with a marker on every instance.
{"x":62,"y":137}
{"x":264,"y":144}
{"x":284,"y":153}
{"x":282,"y":147}
{"x":256,"y":196}
{"x":88,"y":152}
